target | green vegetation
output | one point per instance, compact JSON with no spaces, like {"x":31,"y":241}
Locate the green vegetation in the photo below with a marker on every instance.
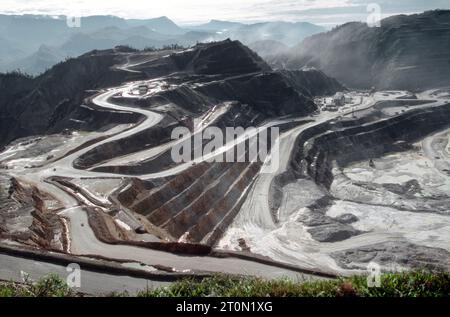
{"x":50,"y":286}
{"x":412,"y":284}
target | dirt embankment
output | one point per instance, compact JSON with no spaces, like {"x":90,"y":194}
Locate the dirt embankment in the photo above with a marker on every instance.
{"x":29,"y":216}
{"x":318,"y":150}
{"x":103,"y":228}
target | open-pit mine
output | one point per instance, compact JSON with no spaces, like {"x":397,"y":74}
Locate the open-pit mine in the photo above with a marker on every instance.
{"x":361,"y":176}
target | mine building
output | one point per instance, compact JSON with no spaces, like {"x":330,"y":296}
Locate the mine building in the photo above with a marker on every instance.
{"x":339,"y":99}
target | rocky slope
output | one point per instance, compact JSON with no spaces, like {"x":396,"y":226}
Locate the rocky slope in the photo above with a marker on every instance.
{"x":208,"y":75}
{"x":222,"y":84}
{"x":346,"y":179}
{"x":406,"y":52}
{"x":25,"y":216}
{"x":55,"y":97}
{"x":322,"y":148}
{"x":31,"y":106}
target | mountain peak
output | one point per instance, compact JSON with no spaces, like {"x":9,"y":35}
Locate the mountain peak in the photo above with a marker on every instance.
{"x":163,"y":18}
{"x":222,"y":57}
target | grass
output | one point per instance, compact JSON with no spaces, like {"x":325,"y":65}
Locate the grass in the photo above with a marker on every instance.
{"x":50,"y":286}
{"x":411,"y":284}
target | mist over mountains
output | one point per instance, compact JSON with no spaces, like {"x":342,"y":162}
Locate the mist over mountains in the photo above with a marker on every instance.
{"x":33,"y":43}
{"x":405,"y":52}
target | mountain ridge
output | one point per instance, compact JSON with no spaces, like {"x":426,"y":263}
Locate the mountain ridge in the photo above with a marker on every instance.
{"x":102,"y":32}
{"x":56,"y":95}
{"x":407,"y":52}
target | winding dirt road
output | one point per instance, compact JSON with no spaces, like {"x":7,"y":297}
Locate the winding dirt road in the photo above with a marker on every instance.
{"x":288,"y":241}
{"x":82,"y":238}
{"x":254,"y":218}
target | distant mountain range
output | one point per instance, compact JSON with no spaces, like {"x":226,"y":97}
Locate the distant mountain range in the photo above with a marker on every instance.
{"x":407,"y":52}
{"x":33,"y":43}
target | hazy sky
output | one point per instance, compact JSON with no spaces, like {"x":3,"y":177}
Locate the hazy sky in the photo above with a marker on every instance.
{"x":193,"y":11}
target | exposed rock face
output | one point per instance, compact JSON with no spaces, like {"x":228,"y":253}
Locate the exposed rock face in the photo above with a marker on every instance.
{"x":333,"y":232}
{"x":47,"y":229}
{"x":323,"y":228}
{"x":326,"y":149}
{"x":225,"y":71}
{"x":326,"y":229}
{"x":234,"y":74}
{"x":347,"y":218}
{"x":239,"y":115}
{"x":24,"y":217}
{"x":196,"y":205}
{"x":409,"y":189}
{"x":395,"y":255}
{"x":15,"y":215}
{"x":374,"y":138}
{"x":221,"y":85}
{"x":224,"y":83}
{"x":406,"y":52}
{"x":148,"y":138}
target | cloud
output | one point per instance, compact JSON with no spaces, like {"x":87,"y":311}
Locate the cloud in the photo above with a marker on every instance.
{"x":406,"y":5}
{"x":319,"y":11}
{"x":356,"y":10}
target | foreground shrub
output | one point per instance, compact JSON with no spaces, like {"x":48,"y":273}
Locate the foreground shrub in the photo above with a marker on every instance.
{"x":50,"y":286}
{"x":408,"y":284}
{"x":412,"y":284}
